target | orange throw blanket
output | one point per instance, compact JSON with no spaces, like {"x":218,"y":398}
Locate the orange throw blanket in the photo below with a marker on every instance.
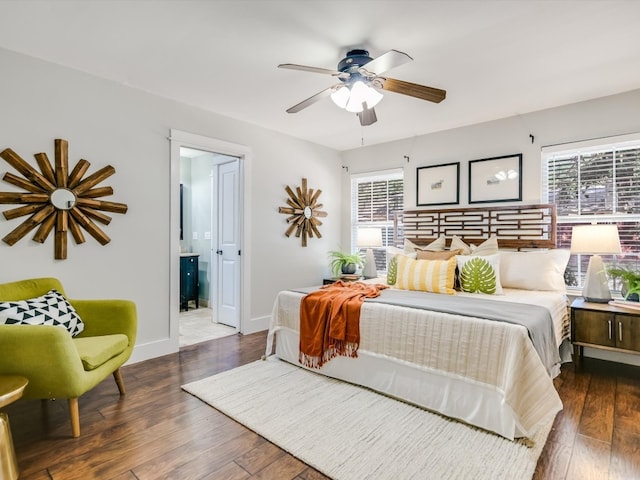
{"x":330,"y":321}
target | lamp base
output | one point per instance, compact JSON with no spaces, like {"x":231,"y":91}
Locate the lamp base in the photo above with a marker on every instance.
{"x":369,"y":270}
{"x":596,"y":300}
{"x":596,"y":284}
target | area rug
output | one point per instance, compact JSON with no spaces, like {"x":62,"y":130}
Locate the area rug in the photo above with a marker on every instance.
{"x":348,"y":432}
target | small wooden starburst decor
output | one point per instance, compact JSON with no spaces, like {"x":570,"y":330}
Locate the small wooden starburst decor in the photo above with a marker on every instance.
{"x":303,"y":211}
{"x":57,"y":199}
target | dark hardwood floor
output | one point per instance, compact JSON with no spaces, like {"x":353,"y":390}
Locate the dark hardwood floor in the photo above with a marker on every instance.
{"x":157,"y":431}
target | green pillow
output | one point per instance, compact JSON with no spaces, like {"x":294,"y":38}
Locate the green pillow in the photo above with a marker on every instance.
{"x":392,"y":271}
{"x":479,"y":274}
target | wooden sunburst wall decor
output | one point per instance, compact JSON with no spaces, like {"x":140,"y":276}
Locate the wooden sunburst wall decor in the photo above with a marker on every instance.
{"x":303,"y":211}
{"x":57,"y":199}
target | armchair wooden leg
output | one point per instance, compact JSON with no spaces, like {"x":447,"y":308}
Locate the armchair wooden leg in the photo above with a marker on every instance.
{"x":118,"y":378}
{"x":74,"y":415}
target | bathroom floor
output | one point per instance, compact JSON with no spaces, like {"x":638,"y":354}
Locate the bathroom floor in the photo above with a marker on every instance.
{"x":196,"y":326}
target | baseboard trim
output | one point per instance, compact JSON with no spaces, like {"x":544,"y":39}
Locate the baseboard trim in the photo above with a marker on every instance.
{"x":147,"y":351}
{"x":165,"y":346}
{"x":258,"y":324}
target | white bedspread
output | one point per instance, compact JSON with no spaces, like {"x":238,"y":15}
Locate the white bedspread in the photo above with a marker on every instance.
{"x":485,"y":373}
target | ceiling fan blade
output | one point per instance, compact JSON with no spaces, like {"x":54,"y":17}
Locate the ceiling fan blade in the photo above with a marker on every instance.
{"x":385,"y":62}
{"x":304,"y":68}
{"x":313,"y":99}
{"x":412,"y":89}
{"x":367,"y":117}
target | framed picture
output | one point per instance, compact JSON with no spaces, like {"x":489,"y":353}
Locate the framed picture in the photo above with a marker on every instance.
{"x":438,"y":185}
{"x":497,"y":179}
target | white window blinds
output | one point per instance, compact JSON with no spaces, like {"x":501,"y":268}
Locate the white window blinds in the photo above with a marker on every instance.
{"x":596,"y":181}
{"x":375,"y":197}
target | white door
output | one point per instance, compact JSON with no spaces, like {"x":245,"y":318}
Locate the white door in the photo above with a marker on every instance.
{"x":229,"y":253}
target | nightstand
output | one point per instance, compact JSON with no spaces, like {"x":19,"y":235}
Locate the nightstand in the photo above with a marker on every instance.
{"x":329,"y":281}
{"x":604,"y":326}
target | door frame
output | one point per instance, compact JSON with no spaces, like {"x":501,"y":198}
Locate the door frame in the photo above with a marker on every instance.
{"x":180,"y":139}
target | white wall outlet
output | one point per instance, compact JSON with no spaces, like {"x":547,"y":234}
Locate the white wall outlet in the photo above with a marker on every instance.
{"x":207,"y":235}
{"x":195,"y":235}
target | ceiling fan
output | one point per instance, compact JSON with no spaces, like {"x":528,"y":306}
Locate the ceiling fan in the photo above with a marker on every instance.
{"x":360,"y":77}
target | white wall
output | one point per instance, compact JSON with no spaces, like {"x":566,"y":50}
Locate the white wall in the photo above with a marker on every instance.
{"x":107,"y":123}
{"x":603,"y":117}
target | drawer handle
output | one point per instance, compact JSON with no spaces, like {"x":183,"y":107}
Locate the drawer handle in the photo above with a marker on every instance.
{"x":620,"y":331}
{"x":610,"y":330}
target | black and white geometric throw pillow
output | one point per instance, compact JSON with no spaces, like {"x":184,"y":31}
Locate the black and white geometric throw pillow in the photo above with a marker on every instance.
{"x":49,"y":309}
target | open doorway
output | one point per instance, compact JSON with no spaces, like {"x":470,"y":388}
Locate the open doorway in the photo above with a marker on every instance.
{"x":207,"y":237}
{"x":209,"y":241}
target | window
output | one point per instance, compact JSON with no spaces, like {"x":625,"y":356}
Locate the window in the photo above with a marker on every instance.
{"x":595,"y":181}
{"x":375,"y":197}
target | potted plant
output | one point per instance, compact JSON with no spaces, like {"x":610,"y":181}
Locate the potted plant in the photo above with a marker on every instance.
{"x":344,"y":263}
{"x":630,"y":285}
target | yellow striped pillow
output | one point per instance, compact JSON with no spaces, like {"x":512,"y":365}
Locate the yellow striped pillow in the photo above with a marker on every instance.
{"x":435,"y":276}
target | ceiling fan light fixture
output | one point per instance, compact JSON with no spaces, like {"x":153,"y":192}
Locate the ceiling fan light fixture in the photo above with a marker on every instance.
{"x":362,"y":94}
{"x":353,"y":106}
{"x":341,"y":96}
{"x":373,"y":97}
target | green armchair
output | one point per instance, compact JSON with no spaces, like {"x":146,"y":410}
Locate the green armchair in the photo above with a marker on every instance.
{"x":58,"y":365}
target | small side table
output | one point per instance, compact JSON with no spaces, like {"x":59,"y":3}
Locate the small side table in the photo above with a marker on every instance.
{"x":11,"y":388}
{"x":604,"y":326}
{"x":329,"y":281}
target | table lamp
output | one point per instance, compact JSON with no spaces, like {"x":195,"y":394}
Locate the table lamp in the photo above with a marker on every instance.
{"x":596,"y":240}
{"x":368,"y":238}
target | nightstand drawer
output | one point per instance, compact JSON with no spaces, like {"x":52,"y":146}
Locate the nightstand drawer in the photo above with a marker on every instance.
{"x":628,"y":332}
{"x":597,"y":328}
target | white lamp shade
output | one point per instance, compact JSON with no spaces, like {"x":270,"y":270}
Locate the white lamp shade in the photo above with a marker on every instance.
{"x":369,"y":237}
{"x":595,"y":239}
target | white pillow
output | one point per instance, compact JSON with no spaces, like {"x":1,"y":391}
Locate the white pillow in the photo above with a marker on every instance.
{"x":479,"y":274}
{"x":543,"y":270}
{"x":458,"y":244}
{"x":438,"y":245}
{"x":488,"y":247}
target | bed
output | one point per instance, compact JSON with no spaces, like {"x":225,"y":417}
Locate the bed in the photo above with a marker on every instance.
{"x":451,"y":353}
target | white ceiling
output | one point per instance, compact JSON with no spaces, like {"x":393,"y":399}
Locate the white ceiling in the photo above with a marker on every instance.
{"x":494,"y":58}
